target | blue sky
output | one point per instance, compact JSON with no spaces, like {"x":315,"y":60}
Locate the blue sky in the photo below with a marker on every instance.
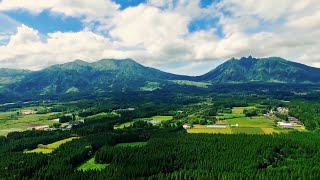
{"x":46,"y":22}
{"x":179,"y":36}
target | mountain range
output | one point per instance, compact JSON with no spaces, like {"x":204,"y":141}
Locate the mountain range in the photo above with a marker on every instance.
{"x":126,"y":74}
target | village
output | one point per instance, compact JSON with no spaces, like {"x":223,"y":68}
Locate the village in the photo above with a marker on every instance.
{"x":276,"y":120}
{"x":289,"y":122}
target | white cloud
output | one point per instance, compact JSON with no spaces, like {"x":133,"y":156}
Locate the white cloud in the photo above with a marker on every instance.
{"x":147,"y":26}
{"x":25,"y":50}
{"x":76,"y":8}
{"x":24,"y":36}
{"x":157,"y":32}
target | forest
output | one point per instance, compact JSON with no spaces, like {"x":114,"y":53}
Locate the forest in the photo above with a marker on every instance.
{"x":142,"y":150}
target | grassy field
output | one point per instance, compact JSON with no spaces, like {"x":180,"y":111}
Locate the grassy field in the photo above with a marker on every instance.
{"x":255,"y":125}
{"x":91,"y":165}
{"x":132,"y":144}
{"x":49,"y":148}
{"x":157,"y":118}
{"x":162,"y":118}
{"x":10,"y":121}
{"x":239,"y":110}
{"x":247,"y":130}
{"x":269,"y":130}
{"x":251,"y":122}
{"x":203,"y":129}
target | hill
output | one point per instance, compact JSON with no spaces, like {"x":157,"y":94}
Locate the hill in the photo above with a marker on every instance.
{"x":273,"y":69}
{"x":102,"y":76}
{"x":126,"y":75}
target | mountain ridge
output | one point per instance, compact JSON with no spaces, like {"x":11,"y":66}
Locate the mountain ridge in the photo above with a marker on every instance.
{"x":107,"y":75}
{"x":272,"y":69}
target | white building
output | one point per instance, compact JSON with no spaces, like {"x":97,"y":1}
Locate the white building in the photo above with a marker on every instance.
{"x":217,"y":126}
{"x":185,"y":126}
{"x":285,"y":125}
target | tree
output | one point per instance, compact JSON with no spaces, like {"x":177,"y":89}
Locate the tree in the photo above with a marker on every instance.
{"x":64,"y":119}
{"x":250,"y":112}
{"x":56,"y":125}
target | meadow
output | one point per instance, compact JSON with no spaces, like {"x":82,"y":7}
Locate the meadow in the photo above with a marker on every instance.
{"x":92,"y":165}
{"x":11,"y":121}
{"x":49,"y":148}
{"x":156,"y":118}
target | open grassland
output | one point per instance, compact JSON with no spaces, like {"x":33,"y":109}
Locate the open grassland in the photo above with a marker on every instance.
{"x":269,"y":130}
{"x":49,"y":148}
{"x":91,"y":165}
{"x":123,"y":125}
{"x":251,"y":122}
{"x":204,"y":129}
{"x":239,"y":110}
{"x":132,"y":144}
{"x":10,"y":121}
{"x":162,"y":118}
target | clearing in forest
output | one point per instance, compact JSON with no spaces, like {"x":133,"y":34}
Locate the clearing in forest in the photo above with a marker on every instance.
{"x":155,"y":118}
{"x":49,"y":148}
{"x":11,"y":121}
{"x":132,"y":144}
{"x":92,"y":165}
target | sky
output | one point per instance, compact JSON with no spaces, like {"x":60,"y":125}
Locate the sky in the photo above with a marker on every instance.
{"x":187,"y":37}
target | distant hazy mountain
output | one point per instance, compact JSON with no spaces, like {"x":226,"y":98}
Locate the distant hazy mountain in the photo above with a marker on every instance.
{"x":273,"y":69}
{"x":80,"y":76}
{"x":11,"y":76}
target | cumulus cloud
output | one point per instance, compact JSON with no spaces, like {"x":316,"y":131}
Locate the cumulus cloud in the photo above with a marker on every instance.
{"x":157,"y":32}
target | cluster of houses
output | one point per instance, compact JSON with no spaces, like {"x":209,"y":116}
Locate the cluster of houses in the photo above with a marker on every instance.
{"x":123,"y":110}
{"x":63,"y":127}
{"x":279,"y":110}
{"x":292,"y":121}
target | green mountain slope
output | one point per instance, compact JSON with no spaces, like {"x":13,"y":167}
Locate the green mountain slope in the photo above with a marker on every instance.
{"x":273,"y":69}
{"x":102,"y":76}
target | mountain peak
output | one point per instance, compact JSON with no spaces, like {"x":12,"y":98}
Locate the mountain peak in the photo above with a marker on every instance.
{"x":272,"y":69}
{"x":79,"y":61}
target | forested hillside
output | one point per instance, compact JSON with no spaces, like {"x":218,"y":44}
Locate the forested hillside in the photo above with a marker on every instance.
{"x":273,"y":69}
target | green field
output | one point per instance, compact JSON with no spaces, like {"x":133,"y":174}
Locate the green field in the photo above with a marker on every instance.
{"x":247,"y":130}
{"x":49,"y":148}
{"x":251,"y":122}
{"x":239,"y":110}
{"x":91,"y":165}
{"x":255,"y":125}
{"x":162,"y":118}
{"x":10,"y":121}
{"x":132,"y":144}
{"x":157,"y":118}
{"x":204,"y":129}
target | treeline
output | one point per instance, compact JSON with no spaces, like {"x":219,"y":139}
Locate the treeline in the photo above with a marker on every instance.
{"x":306,"y":112}
{"x":170,"y":153}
